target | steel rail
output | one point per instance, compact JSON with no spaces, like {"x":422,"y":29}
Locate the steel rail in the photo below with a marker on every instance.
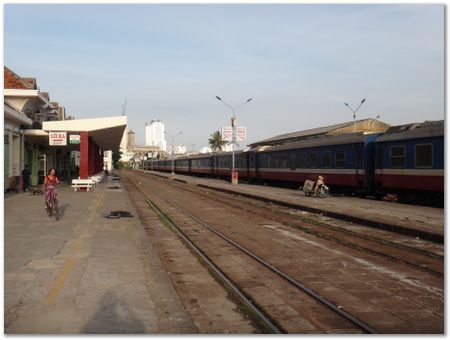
{"x":288,"y":278}
{"x":260,"y":314}
{"x":333,"y":228}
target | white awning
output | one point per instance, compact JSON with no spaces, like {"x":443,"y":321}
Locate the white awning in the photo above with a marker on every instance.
{"x":106,"y":132}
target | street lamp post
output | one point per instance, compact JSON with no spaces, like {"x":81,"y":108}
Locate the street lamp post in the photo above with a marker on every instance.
{"x":173,"y":140}
{"x":354,"y":113}
{"x":233,"y":126}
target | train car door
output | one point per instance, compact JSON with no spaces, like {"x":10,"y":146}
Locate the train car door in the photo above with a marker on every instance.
{"x":247,"y":164}
{"x":359,"y":168}
{"x":251,"y":165}
{"x":212,"y":162}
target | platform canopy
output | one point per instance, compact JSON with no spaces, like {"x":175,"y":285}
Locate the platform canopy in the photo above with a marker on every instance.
{"x":106,"y":132}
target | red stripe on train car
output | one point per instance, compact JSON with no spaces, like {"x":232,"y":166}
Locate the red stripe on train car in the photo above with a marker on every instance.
{"x":331,"y":179}
{"x":411,"y":182}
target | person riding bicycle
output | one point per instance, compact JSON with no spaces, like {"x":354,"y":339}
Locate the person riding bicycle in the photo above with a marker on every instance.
{"x":50,"y":182}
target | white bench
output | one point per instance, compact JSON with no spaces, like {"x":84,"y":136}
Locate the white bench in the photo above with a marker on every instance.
{"x":97,"y":178}
{"x":82,"y":183}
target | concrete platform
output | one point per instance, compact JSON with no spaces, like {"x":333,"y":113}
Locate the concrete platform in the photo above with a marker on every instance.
{"x":84,"y":273}
{"x":423,"y":222}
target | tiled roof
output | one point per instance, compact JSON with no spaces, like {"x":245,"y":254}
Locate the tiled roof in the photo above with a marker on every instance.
{"x":13,"y":81}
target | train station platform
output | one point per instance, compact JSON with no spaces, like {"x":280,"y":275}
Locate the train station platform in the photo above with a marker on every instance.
{"x":418,"y":221}
{"x":84,"y":273}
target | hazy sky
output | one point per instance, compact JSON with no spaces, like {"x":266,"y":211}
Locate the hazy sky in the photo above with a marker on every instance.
{"x":298,"y":62}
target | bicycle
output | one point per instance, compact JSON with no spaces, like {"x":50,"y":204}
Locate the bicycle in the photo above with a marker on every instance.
{"x":52,"y":202}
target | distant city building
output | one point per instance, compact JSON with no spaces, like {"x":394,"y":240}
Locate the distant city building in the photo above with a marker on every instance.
{"x":107,"y":160}
{"x":126,"y":145}
{"x":205,"y":149}
{"x":154,"y":134}
{"x":130,"y":140}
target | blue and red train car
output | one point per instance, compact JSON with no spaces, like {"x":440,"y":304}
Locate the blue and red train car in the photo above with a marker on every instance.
{"x":410,"y":162}
{"x":406,"y":160}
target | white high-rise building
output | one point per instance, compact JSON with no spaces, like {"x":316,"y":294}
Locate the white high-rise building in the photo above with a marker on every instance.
{"x":154,"y":134}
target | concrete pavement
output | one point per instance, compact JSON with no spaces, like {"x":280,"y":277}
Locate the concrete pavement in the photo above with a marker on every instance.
{"x":84,"y":273}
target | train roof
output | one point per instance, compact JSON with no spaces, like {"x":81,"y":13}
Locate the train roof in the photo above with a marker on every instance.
{"x":367,"y":125}
{"x":207,"y":155}
{"x":349,"y":138}
{"x":413,"y":131}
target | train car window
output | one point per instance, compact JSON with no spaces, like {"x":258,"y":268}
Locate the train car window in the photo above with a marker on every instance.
{"x":360,"y":158}
{"x":283,"y":162}
{"x":291,"y":160}
{"x":225,"y":163}
{"x":265,"y":162}
{"x":313,"y":159}
{"x":379,"y":157}
{"x":340,"y":159}
{"x":301,"y":160}
{"x":397,"y":156}
{"x":424,"y":155}
{"x":326,"y":159}
{"x":274,"y":161}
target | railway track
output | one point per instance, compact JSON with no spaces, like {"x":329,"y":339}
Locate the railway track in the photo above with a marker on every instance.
{"x":364,"y":239}
{"x":178,"y":215}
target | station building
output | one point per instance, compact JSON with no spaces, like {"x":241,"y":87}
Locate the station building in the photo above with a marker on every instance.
{"x":90,"y":137}
{"x":31,"y":121}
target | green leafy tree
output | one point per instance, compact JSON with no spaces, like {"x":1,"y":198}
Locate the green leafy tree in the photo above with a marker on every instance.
{"x":216,"y":142}
{"x":116,"y":156}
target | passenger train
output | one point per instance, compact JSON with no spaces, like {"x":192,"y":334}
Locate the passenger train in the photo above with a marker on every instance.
{"x":406,"y":161}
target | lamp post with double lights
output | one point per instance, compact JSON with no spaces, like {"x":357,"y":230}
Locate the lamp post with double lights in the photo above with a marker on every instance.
{"x":173,"y":140}
{"x":234,"y":178}
{"x":354,"y":113}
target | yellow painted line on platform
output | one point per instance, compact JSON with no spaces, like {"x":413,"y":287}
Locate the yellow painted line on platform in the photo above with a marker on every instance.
{"x":60,"y":281}
{"x":70,"y":263}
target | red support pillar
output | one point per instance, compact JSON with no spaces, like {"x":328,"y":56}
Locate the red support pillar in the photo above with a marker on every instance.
{"x":102,"y":160}
{"x":97,"y":159}
{"x":84,"y":155}
{"x":91,"y":158}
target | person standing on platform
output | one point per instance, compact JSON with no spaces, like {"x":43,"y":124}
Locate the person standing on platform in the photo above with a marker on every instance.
{"x":26,"y":178}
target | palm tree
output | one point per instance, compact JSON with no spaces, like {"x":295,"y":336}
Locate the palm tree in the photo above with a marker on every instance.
{"x":216,"y":142}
